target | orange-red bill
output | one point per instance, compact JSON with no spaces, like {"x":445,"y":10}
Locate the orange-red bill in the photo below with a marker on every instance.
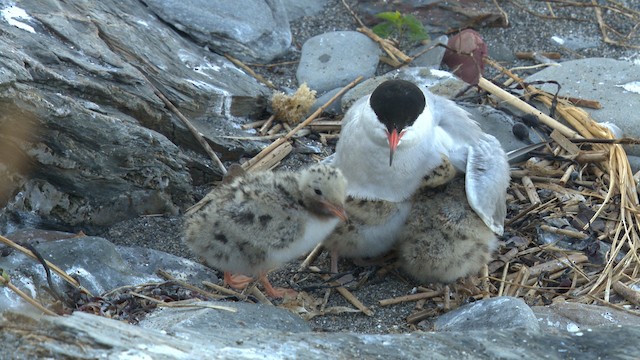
{"x":394,"y":139}
{"x":336,"y":210}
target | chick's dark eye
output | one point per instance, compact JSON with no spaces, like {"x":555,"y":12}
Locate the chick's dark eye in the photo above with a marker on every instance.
{"x":318,"y":191}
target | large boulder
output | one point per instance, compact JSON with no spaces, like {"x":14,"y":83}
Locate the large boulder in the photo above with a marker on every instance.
{"x":86,"y":140}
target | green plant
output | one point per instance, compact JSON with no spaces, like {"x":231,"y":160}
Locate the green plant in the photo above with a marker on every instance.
{"x":396,"y":25}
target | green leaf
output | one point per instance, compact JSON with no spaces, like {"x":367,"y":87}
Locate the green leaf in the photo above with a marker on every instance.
{"x":393,"y":17}
{"x":416,"y":30}
{"x":384,"y":30}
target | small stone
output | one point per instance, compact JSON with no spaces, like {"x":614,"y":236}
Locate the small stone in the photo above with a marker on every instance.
{"x":335,"y":59}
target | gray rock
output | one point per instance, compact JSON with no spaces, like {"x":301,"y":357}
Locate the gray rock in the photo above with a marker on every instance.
{"x":98,"y":265}
{"x":575,"y":317}
{"x":334,"y":108}
{"x":634,"y":162}
{"x":90,"y":143}
{"x":432,"y":56}
{"x":209,"y":321}
{"x":252,"y":30}
{"x":485,"y":315}
{"x":335,"y":59}
{"x":500,"y":52}
{"x":300,"y":8}
{"x":603,"y":80}
{"x":498,"y":124}
{"x":88,"y":336}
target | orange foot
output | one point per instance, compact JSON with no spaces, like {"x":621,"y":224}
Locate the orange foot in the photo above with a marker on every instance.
{"x":276,"y":292}
{"x":237,"y":281}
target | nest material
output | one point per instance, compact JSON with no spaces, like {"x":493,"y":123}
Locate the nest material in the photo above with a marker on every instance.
{"x":293,"y":108}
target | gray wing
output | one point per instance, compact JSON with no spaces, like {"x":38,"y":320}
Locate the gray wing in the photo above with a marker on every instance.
{"x":487,"y":179}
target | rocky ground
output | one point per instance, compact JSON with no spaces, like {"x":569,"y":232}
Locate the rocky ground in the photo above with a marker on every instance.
{"x":527,"y":32}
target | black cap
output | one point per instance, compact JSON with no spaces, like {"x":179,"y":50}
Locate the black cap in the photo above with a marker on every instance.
{"x":397,"y":103}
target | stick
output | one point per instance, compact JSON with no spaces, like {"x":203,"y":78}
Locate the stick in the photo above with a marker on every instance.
{"x":192,"y":129}
{"x":53,"y":267}
{"x":6,"y":282}
{"x":224,"y":290}
{"x":250,"y":71}
{"x":626,"y":292}
{"x":271,"y":159}
{"x":350,"y":297}
{"x":265,"y":127}
{"x":412,"y":297}
{"x":523,"y":106}
{"x":354,"y":300}
{"x":554,"y":265}
{"x":315,"y":114}
{"x":168,"y":276}
{"x":531,"y":190}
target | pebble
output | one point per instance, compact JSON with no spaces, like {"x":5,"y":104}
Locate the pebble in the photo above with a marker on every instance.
{"x":335,"y":59}
{"x":433,"y":57}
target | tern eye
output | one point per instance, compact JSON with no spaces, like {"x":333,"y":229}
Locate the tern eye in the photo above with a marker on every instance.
{"x":318,"y":192}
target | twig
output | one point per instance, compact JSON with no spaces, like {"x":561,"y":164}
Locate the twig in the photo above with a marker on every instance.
{"x":6,"y":282}
{"x":313,"y":255}
{"x":192,"y":129}
{"x":531,"y":190}
{"x":523,"y":106}
{"x":253,"y":125}
{"x":53,"y":267}
{"x":224,"y":290}
{"x":529,"y":55}
{"x":631,"y":295}
{"x":354,"y":300}
{"x":306,"y":122}
{"x":250,"y":71}
{"x":180,"y":304}
{"x":259,"y":295}
{"x":504,"y":14}
{"x":271,"y":159}
{"x":412,"y":297}
{"x":554,"y":265}
{"x":349,"y":297}
{"x":267,"y":124}
{"x":168,"y":276}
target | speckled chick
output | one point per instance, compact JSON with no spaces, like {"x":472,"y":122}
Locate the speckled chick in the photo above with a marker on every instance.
{"x":261,"y":220}
{"x":375,"y":225}
{"x":444,"y":239}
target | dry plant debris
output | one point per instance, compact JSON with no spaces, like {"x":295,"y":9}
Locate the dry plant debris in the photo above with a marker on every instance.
{"x":292,"y":108}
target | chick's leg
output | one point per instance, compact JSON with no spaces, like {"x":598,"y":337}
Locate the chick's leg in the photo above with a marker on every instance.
{"x":275,"y":292}
{"x":237,"y":281}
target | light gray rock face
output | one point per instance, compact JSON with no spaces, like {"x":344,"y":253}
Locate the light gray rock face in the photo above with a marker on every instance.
{"x":204,"y":321}
{"x":562,"y":318}
{"x":614,"y":83}
{"x":85,"y":336}
{"x":495,"y":313}
{"x":98,"y":265}
{"x":300,"y":8}
{"x":250,"y":30}
{"x":87,"y":139}
{"x":335,"y":59}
